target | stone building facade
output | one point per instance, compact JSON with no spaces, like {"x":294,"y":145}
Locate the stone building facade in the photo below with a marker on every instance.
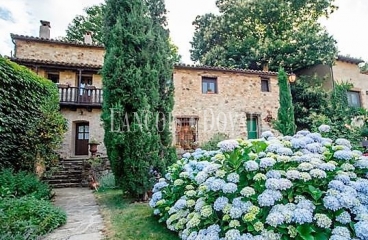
{"x":74,"y":67}
{"x":208,"y":100}
{"x":211,"y":100}
{"x":346,"y":69}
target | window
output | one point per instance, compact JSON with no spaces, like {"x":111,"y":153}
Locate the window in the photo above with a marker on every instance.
{"x":354,"y":98}
{"x":265,"y":84}
{"x":186,"y":132}
{"x":209,"y":85}
{"x":86,"y":79}
{"x":53,"y":76}
{"x":252,"y":126}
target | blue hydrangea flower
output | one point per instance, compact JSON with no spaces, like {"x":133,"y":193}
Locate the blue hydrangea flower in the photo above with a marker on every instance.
{"x":301,"y":216}
{"x":228,"y":145}
{"x":235,"y":212}
{"x":344,"y":154}
{"x":265,"y":200}
{"x":297,"y":143}
{"x":284,"y":151}
{"x":343,"y":142}
{"x":315,"y":136}
{"x":362,"y":163}
{"x":229,"y":188}
{"x":332,"y":203}
{"x":273,"y":147}
{"x":201,"y":177}
{"x":158,"y":186}
{"x":273,"y":174}
{"x":232,"y":234}
{"x":361,"y":229}
{"x":344,"y":218}
{"x":343,"y":178}
{"x":274,"y":219}
{"x":186,"y":155}
{"x":327,"y":166}
{"x":336,"y":184}
{"x":180,"y":204}
{"x":318,"y":173}
{"x":251,"y":166}
{"x":314,"y":147}
{"x":324,"y":128}
{"x":293,"y":174}
{"x":303,"y":132}
{"x":267,"y":134}
{"x":266,"y":162}
{"x":233,"y":177}
{"x":217,"y":184}
{"x":341,"y":231}
{"x":220,"y":203}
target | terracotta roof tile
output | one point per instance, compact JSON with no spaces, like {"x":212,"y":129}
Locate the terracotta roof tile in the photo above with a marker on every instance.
{"x":239,"y":70}
{"x":349,"y":59}
{"x":55,"y":63}
{"x":38,"y":39}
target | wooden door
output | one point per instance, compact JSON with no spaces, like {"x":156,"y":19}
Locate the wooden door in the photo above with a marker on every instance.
{"x":82,"y":138}
{"x":252,"y":128}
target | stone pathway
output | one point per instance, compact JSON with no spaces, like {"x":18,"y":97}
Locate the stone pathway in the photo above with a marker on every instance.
{"x":84,"y":219}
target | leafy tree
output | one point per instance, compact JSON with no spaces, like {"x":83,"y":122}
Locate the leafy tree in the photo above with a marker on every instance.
{"x":131,"y":80}
{"x":250,"y":34}
{"x":31,"y":126}
{"x":91,"y":21}
{"x":309,"y":98}
{"x":285,"y":117}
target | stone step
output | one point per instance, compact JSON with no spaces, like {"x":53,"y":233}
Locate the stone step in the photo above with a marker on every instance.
{"x":63,"y":176}
{"x":56,"y":181}
{"x":66,"y":185}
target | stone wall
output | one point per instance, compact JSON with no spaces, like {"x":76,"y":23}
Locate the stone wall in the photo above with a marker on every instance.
{"x":239,"y":94}
{"x":348,"y":72}
{"x":59,"y":52}
{"x":95,"y":127}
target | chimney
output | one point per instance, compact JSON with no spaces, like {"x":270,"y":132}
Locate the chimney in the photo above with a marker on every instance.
{"x":45,"y":29}
{"x":88,"y":38}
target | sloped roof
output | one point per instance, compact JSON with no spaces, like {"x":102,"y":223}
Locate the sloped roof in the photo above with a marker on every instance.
{"x":238,"y":70}
{"x":55,"y":63}
{"x":57,"y":41}
{"x":349,"y":59}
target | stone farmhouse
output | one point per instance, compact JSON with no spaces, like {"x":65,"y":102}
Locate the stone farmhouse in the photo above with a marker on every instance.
{"x":208,"y":100}
{"x":345,"y":69}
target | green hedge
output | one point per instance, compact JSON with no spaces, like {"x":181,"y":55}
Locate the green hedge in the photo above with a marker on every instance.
{"x":31,"y":126}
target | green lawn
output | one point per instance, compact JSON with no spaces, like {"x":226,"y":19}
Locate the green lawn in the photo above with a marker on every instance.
{"x":130,"y":221}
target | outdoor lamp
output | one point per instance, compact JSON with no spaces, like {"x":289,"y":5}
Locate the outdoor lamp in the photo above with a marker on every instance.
{"x":292,"y":77}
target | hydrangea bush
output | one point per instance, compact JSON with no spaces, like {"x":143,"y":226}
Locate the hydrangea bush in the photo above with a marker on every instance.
{"x":300,"y":187}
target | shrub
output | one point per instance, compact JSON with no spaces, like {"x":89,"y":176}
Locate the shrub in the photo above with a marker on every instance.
{"x":215,"y":139}
{"x":31,"y":126}
{"x":28,"y":218}
{"x":107,"y":181}
{"x":303,"y":187}
{"x":22,"y":184}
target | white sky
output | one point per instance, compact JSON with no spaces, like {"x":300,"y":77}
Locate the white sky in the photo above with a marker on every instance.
{"x":347,"y":25}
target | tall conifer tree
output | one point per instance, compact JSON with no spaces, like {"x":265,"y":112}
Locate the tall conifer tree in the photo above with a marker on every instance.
{"x":131,"y":94}
{"x":163,"y":63}
{"x":285,"y":122}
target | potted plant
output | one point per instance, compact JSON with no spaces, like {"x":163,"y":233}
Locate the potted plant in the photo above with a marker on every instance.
{"x":209,"y":90}
{"x":93,"y":143}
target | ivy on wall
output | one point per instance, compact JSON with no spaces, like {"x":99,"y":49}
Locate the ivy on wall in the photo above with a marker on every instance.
{"x":31,"y":126}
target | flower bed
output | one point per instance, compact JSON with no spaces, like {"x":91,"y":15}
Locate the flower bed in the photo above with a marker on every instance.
{"x":300,"y":187}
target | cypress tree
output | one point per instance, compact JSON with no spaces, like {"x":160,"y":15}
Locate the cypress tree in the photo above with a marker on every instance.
{"x":285,"y":122}
{"x":163,"y":63}
{"x":130,"y":94}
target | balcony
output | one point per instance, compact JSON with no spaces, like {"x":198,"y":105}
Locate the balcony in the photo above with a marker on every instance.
{"x":89,"y":96}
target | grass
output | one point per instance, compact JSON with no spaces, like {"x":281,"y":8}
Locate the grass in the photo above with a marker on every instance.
{"x":130,"y":221}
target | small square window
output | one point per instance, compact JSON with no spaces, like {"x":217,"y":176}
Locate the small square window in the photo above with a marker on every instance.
{"x":53,"y":76}
{"x":209,"y":85}
{"x":353,"y":98}
{"x":265,"y":84}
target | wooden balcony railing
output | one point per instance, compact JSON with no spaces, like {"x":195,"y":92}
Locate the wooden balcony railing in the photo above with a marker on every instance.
{"x":82,"y":97}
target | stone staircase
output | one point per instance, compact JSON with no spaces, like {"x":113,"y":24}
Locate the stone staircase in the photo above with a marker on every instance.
{"x":69,"y":173}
